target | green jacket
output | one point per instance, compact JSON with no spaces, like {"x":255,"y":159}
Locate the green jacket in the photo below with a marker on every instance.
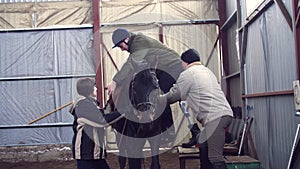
{"x":143,"y":48}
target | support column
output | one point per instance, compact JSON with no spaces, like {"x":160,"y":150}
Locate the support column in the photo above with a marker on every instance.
{"x":297,"y":35}
{"x":224,"y":47}
{"x":97,"y":52}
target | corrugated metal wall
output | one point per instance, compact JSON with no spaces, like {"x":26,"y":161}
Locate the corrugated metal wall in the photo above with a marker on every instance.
{"x":270,"y":66}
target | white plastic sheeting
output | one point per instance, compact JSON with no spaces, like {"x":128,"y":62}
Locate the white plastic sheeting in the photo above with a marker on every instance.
{"x":44,"y":14}
{"x":59,"y":52}
{"x":154,"y":11}
{"x":40,"y":54}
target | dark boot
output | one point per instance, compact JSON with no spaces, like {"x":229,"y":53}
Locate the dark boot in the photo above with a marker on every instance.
{"x":203,"y":153}
{"x":193,"y":141}
{"x":122,"y":162}
{"x":220,"y":165}
{"x":155,"y":162}
{"x":135,"y":163}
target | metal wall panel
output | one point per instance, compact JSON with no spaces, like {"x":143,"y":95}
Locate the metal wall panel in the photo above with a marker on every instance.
{"x":270,"y":54}
{"x":235,"y":91}
{"x":233,"y":57}
{"x":271,"y":66}
{"x":273,"y":129}
{"x":230,"y":7}
{"x":32,"y":64}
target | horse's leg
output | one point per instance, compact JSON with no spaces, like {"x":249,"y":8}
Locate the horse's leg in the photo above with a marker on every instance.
{"x":134,"y":147}
{"x":121,"y":141}
{"x":135,"y":154}
{"x":154,"y":144}
{"x":122,"y":162}
{"x":167,"y":127}
{"x":122,"y":150}
{"x":135,"y":163}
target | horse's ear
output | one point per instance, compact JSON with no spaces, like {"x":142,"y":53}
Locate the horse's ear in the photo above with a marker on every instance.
{"x":152,"y":61}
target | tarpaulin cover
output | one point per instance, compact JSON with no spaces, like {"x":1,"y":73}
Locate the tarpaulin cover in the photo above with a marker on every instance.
{"x":41,"y":54}
{"x":43,"y":50}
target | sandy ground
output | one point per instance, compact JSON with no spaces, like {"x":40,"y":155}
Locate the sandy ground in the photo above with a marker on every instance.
{"x":169,"y":160}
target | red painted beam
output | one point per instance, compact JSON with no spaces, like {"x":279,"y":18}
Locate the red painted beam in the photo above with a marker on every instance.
{"x":161,"y":34}
{"x":268,"y":94}
{"x":297,"y":36}
{"x":97,"y":52}
{"x":224,"y":46}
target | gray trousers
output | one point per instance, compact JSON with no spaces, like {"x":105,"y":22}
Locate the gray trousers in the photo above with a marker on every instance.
{"x":212,"y":138}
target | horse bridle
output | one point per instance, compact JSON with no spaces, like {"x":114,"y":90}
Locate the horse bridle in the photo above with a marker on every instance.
{"x":150,"y":107}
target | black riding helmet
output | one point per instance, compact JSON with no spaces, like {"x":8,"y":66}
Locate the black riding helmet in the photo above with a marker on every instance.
{"x":119,"y":35}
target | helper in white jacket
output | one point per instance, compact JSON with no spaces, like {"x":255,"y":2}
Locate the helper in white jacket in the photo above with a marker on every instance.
{"x":199,"y":87}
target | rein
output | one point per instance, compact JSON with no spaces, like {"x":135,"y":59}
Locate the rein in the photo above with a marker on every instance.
{"x":110,"y":101}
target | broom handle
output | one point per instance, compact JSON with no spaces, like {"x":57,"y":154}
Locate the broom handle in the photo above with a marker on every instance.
{"x":51,"y":112}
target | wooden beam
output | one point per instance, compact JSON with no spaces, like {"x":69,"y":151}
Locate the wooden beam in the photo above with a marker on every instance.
{"x":236,"y":74}
{"x":297,"y":36}
{"x":224,"y":46}
{"x":161,"y":33}
{"x":97,"y":53}
{"x":51,"y":112}
{"x":297,"y":19}
{"x":212,"y":51}
{"x":258,"y":12}
{"x":110,"y":57}
{"x":295,"y":151}
{"x":243,"y":46}
{"x":232,"y":19}
{"x":285,"y":13}
{"x":266,"y":94}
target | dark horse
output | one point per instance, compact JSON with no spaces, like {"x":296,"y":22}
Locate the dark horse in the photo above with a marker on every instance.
{"x":138,"y":99}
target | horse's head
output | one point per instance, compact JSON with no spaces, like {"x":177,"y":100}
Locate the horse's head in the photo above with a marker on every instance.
{"x":144,"y":90}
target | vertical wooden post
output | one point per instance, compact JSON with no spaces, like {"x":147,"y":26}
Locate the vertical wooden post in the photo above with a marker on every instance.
{"x":224,"y":46}
{"x":161,"y":34}
{"x":97,"y":52}
{"x":297,"y":35}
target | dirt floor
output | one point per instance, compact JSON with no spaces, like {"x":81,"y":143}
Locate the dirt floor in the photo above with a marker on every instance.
{"x":169,"y":160}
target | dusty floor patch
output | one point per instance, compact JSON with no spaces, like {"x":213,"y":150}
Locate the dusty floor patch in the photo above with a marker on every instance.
{"x":59,"y":156}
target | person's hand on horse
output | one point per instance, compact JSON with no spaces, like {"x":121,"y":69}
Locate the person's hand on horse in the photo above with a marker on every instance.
{"x":162,"y":98}
{"x":111,"y":87}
